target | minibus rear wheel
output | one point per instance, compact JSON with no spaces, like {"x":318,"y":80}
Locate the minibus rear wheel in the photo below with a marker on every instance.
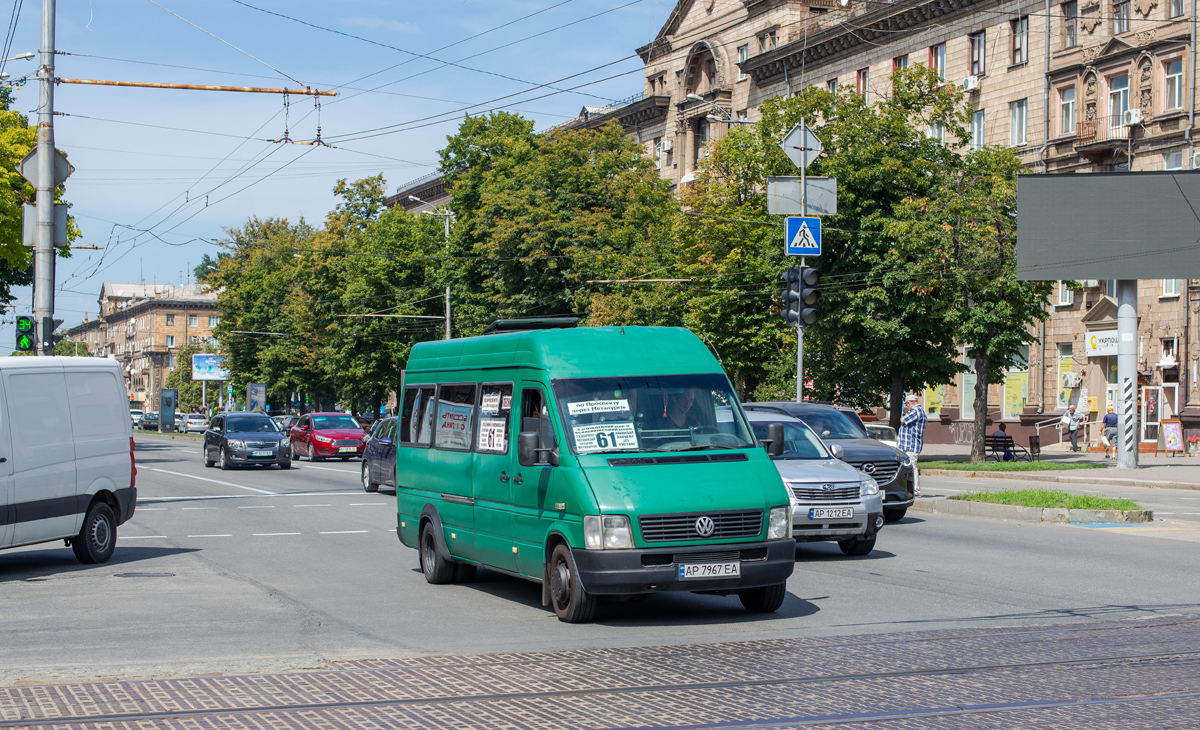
{"x":98,"y":536}
{"x":767,"y":599}
{"x":437,"y":570}
{"x":571,"y":602}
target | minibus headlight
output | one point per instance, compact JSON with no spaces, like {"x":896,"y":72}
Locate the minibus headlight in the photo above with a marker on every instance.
{"x":607,"y":532}
{"x":868,"y":487}
{"x":778,"y":525}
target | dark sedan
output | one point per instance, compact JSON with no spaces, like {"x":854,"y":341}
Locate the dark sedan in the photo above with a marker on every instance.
{"x":245,"y":439}
{"x":379,"y":456}
{"x":889,"y":466}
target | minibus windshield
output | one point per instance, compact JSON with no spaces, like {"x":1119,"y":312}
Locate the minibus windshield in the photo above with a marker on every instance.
{"x":651,"y":413}
{"x":799,"y":442}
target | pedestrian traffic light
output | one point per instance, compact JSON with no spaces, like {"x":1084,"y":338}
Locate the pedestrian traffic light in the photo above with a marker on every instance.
{"x":791,"y":296}
{"x":809,"y":294}
{"x":48,"y":338}
{"x":26,"y":337}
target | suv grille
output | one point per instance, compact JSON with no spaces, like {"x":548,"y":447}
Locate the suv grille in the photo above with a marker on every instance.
{"x":885,"y":471}
{"x":661,"y":528}
{"x":811,"y":493}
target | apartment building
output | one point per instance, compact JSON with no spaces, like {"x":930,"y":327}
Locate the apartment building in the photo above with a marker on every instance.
{"x":144,"y":326}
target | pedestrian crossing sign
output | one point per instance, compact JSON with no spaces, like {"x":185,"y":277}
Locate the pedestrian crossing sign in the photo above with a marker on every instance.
{"x":803,"y":236}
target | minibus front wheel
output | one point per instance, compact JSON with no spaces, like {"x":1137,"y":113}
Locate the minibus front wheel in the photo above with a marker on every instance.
{"x":571,"y":602}
{"x":766,"y":599}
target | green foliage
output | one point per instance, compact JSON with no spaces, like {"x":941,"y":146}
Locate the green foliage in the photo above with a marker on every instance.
{"x":1045,"y":498}
{"x":1009,"y":465}
{"x":191,"y":392}
{"x":71,"y":348}
{"x":207,"y":266}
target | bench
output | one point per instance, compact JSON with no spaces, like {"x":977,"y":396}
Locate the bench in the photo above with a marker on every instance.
{"x":997,"y":446}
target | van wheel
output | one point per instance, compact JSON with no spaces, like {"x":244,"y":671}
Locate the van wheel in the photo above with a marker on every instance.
{"x":571,"y":602}
{"x":894,"y":515}
{"x":437,"y":570}
{"x":763,"y":600}
{"x":368,"y":485}
{"x":98,"y":536}
{"x":858,"y":546}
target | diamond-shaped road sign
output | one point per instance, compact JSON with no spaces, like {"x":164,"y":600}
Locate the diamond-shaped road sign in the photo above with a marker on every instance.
{"x":801,"y":146}
{"x":29,"y":168}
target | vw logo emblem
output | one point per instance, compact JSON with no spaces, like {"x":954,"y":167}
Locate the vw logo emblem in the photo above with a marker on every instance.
{"x":826,"y":487}
{"x":869,"y":468}
{"x":705,"y":526}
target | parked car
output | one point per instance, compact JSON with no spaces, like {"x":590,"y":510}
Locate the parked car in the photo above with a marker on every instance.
{"x":887,"y":465}
{"x":135,"y":416}
{"x":66,"y":454}
{"x":379,"y":456}
{"x":321,"y":436}
{"x":286,"y":423}
{"x":831,"y":500}
{"x":245,"y":439}
{"x":149,"y":421}
{"x":197,"y":422}
{"x":881,"y":433}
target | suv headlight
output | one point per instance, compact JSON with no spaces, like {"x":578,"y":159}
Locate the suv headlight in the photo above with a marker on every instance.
{"x":868,"y":487}
{"x":235,"y":443}
{"x":607,"y":532}
{"x":779,"y":524}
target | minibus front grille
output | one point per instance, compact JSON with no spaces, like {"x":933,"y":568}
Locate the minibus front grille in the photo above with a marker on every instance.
{"x":684,"y":459}
{"x":682,"y":526}
{"x":659,"y":560}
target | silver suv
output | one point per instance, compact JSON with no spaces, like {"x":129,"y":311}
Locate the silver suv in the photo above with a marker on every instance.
{"x":831,"y":500}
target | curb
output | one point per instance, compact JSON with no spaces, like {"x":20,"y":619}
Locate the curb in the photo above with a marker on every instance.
{"x":942,"y":505}
{"x":1043,"y":477}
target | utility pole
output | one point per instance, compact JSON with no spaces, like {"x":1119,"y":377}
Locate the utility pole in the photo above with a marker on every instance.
{"x":43,"y":249}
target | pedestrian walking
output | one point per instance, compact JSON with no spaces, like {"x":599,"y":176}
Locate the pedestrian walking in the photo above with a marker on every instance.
{"x":1110,"y":433}
{"x":910,"y":438}
{"x":1072,"y":420}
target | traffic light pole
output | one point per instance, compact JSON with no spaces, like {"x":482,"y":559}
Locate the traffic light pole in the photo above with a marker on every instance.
{"x":43,"y":250}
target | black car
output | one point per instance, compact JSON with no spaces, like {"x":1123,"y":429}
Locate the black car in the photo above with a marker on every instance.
{"x":890,"y":467}
{"x":379,"y":456}
{"x":245,"y":439}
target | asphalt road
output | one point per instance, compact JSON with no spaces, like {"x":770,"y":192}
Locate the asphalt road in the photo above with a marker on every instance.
{"x":236,"y":571}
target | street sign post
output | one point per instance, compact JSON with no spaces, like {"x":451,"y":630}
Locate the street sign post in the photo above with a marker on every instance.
{"x":801,"y":146}
{"x":804,"y":236}
{"x":785,"y":196}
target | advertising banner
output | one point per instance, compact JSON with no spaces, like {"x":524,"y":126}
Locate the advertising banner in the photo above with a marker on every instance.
{"x":256,"y":397}
{"x":209,"y":367}
{"x":1101,"y":344}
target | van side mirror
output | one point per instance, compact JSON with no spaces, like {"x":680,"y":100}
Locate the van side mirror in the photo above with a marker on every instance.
{"x":837,"y":452}
{"x":774,"y":440}
{"x":527,"y":447}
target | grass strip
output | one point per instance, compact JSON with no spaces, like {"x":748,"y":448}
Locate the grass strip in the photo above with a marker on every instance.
{"x":1008,"y":465}
{"x":1044,"y":498}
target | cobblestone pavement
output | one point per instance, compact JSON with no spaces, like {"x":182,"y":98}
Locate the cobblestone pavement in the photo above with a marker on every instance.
{"x":1127,"y":674}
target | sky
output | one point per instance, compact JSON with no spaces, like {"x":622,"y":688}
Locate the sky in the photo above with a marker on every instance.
{"x":160,"y":174}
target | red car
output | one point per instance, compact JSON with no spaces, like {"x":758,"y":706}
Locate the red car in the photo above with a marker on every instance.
{"x":325,"y":436}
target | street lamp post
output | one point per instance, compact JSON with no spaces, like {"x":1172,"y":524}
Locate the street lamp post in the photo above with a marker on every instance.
{"x":445,"y":216}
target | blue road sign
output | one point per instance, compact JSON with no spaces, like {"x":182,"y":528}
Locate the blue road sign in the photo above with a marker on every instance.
{"x":803,"y":237}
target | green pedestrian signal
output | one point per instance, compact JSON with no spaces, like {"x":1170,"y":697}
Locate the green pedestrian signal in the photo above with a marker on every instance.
{"x":25,"y":335}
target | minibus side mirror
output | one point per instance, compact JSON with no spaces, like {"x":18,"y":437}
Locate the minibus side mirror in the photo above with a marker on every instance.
{"x":527,"y":447}
{"x":774,"y":439}
{"x":837,"y":452}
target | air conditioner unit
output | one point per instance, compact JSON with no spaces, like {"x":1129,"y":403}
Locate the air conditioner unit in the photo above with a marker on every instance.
{"x":1196,"y":160}
{"x":1072,"y":380}
{"x":971,"y":83}
{"x":1131,"y":117}
{"x":667,"y":145}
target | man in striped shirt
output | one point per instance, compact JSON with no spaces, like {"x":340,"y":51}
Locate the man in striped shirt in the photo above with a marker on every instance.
{"x":910,"y":438}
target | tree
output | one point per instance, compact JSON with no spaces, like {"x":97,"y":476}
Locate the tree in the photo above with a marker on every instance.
{"x":71,"y":348}
{"x":964,"y":235}
{"x":208,"y":266}
{"x":191,"y":392}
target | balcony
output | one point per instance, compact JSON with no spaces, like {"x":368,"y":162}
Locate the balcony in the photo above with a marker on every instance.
{"x":1098,"y":138}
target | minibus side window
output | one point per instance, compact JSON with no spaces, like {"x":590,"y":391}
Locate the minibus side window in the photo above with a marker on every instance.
{"x":416,"y":416}
{"x":495,"y":410}
{"x":535,"y":416}
{"x":452,"y":421}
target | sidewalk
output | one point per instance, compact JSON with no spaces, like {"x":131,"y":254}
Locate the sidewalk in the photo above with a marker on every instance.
{"x":1174,"y":472}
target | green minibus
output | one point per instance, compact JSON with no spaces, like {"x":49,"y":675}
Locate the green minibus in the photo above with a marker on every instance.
{"x":597,"y":461}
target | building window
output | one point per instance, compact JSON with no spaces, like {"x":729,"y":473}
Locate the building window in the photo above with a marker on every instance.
{"x":832,"y":85}
{"x":767,"y":41}
{"x":1173,"y":160}
{"x":1173,"y":98}
{"x":1020,"y":40}
{"x":938,"y":132}
{"x":170,"y":320}
{"x":191,"y":320}
{"x":977,"y":130}
{"x":1066,"y":295}
{"x":1066,"y":111}
{"x":900,"y":62}
{"x":213,"y":320}
{"x":1120,"y":17}
{"x":978,"y":53}
{"x":1018,"y":112}
{"x":937,"y":60}
{"x":743,"y":56}
{"x":1175,"y":8}
{"x":743,"y":115}
{"x":170,"y":340}
{"x":1070,"y":24}
{"x":1118,"y":100}
{"x":862,"y":84}
{"x":1171,"y":287}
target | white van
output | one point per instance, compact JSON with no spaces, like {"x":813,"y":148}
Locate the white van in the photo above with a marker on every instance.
{"x":66,"y":453}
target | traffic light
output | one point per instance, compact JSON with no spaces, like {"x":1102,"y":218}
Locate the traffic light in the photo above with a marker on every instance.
{"x":791,"y":296}
{"x":26,"y":337}
{"x":809,"y":294}
{"x":48,"y":338}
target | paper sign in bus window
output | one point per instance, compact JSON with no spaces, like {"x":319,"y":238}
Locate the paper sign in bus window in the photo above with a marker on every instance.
{"x":586,"y":407}
{"x":453,"y":426}
{"x":492,"y":436}
{"x":605,"y":437}
{"x":490,"y":403}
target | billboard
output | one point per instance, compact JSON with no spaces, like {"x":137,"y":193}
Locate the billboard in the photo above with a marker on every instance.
{"x":256,"y":397}
{"x":209,"y":367}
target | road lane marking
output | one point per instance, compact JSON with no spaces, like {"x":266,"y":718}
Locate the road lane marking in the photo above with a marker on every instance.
{"x":142,"y":537}
{"x":210,"y":535}
{"x":151,"y":509}
{"x":274,"y":534}
{"x":258,"y":506}
{"x":214,"y":481}
{"x":343,"y":532}
{"x":199,"y":508}
{"x":368,"y":504}
{"x":311,"y":505}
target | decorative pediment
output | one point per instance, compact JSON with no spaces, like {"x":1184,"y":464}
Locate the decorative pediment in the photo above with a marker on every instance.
{"x":1102,"y":315}
{"x":1114,"y":45}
